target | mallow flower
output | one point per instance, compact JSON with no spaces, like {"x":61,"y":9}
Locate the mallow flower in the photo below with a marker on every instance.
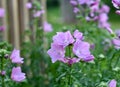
{"x":82,"y":50}
{"x":69,"y":61}
{"x":79,"y":48}
{"x":112,"y":83}
{"x":29,"y":5}
{"x":76,"y":10}
{"x":56,"y":52}
{"x":17,"y":74}
{"x":15,"y":57}
{"x":104,"y":9}
{"x":2,"y":28}
{"x":2,"y":12}
{"x":116,"y":43}
{"x":38,"y":13}
{"x":63,"y":38}
{"x":116,"y":3}
{"x":78,"y":35}
{"x":47,"y":27}
{"x":118,"y":12}
{"x":73,"y":2}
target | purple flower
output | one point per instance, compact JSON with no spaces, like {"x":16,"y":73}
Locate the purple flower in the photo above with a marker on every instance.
{"x":78,"y":35}
{"x":94,"y":6}
{"x":112,"y":83}
{"x":47,"y":27}
{"x":104,"y":9}
{"x":63,"y":38}
{"x":29,"y":5}
{"x":82,"y":50}
{"x":3,"y":73}
{"x":81,"y":2}
{"x":2,"y":28}
{"x":88,"y":58}
{"x":73,"y":2}
{"x":17,"y":75}
{"x":118,"y":12}
{"x":116,"y":43}
{"x":56,"y":52}
{"x":109,"y":30}
{"x":38,"y":13}
{"x":116,"y":3}
{"x":103,"y":22}
{"x":69,"y":61}
{"x":15,"y":57}
{"x":103,"y":17}
{"x":76,"y":10}
{"x":2,"y":12}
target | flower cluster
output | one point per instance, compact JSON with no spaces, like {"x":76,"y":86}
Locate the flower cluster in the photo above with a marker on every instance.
{"x":97,"y":12}
{"x":116,"y":4}
{"x":38,"y":13}
{"x":17,"y":75}
{"x":78,"y":47}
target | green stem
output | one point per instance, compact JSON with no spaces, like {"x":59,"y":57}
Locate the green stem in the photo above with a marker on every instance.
{"x":69,"y":81}
{"x":2,"y":66}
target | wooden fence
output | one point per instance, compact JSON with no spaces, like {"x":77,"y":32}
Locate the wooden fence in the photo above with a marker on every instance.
{"x":17,"y":19}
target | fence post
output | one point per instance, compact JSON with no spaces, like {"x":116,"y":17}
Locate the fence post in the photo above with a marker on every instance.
{"x":13,"y":22}
{"x":23,"y":18}
{"x":44,"y":17}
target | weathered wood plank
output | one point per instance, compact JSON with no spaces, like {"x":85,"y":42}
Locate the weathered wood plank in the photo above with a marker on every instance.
{"x":23,"y":18}
{"x":13,"y":22}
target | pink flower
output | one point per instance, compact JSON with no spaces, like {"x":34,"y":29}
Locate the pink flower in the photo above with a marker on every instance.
{"x":112,"y":83}
{"x":116,"y":43}
{"x":2,"y":12}
{"x":103,"y":17}
{"x":81,"y":2}
{"x":15,"y":57}
{"x":82,"y":50}
{"x":63,"y":38}
{"x":2,"y":28}
{"x":47,"y":27}
{"x":73,"y":2}
{"x":116,"y":3}
{"x":3,"y":73}
{"x":104,"y":9}
{"x":109,"y":30}
{"x":17,"y":75}
{"x":56,"y":52}
{"x":69,"y":61}
{"x":29,"y":5}
{"x":94,"y":6}
{"x":39,"y":13}
{"x":78,"y":35}
{"x":76,"y":10}
{"x":118,"y":12}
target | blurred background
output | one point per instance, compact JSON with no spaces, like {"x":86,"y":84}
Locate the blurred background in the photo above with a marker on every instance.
{"x":57,"y":12}
{"x":23,"y":31}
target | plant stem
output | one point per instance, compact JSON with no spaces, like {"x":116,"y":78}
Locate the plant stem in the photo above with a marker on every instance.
{"x":2,"y":66}
{"x":69,"y":81}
